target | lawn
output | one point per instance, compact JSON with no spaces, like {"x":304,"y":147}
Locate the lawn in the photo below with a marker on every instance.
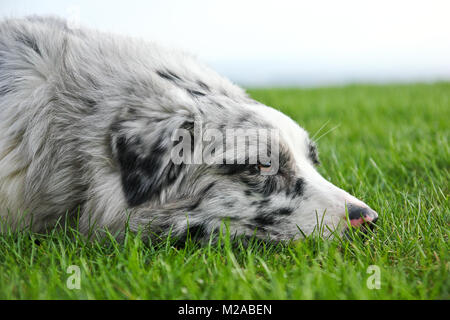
{"x":387,"y":145}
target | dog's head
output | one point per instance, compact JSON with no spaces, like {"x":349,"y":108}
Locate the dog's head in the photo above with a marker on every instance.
{"x":249,"y":165}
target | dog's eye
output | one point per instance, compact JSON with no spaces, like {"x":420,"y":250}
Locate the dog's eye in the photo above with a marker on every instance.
{"x":264,"y":167}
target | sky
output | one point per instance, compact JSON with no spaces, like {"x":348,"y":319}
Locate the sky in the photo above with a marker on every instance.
{"x":281,"y":42}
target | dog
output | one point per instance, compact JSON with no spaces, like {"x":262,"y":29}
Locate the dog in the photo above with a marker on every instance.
{"x":87,"y":123}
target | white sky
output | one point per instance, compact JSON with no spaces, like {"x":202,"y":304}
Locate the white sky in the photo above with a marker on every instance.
{"x":277,"y":42}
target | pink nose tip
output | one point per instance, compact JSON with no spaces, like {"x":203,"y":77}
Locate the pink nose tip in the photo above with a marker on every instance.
{"x":361,"y":215}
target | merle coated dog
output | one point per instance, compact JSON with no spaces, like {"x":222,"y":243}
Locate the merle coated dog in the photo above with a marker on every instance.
{"x":87,"y":122}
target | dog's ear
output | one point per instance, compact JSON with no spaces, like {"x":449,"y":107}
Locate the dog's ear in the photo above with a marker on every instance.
{"x":139,"y":171}
{"x":144,"y":160}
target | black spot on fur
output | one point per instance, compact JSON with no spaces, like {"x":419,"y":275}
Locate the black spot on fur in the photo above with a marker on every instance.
{"x":263,"y":203}
{"x":168,"y":75}
{"x":282,"y":212}
{"x":195,"y":93}
{"x":116,"y":126}
{"x":140,"y":173}
{"x":263,"y":185}
{"x":29,"y":42}
{"x":88,"y":102}
{"x":158,"y":147}
{"x":193,"y":232}
{"x":270,"y":186}
{"x":133,"y":111}
{"x":252,"y":227}
{"x":313,"y":154}
{"x":197,"y":230}
{"x":248,"y":192}
{"x":5,"y":89}
{"x":173,"y":172}
{"x":189,"y":126}
{"x":244,"y":118}
{"x":203,"y":85}
{"x":299,"y":187}
{"x":173,"y":75}
{"x":208,"y":187}
{"x":195,"y":204}
{"x":233,"y":168}
{"x":266,"y":187}
{"x":264,"y":220}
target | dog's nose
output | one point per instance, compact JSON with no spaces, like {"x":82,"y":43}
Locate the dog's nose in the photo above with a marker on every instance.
{"x":359,"y":215}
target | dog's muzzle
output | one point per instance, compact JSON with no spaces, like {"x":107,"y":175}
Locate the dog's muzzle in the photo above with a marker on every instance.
{"x":359,"y":216}
{"x":363,"y":218}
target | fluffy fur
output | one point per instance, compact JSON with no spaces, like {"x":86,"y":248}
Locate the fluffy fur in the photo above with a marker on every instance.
{"x":85,"y":136}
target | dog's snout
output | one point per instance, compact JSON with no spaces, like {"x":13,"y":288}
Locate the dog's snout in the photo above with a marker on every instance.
{"x":359,"y":215}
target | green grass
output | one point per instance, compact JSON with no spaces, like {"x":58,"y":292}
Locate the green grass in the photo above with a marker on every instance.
{"x":390,"y":148}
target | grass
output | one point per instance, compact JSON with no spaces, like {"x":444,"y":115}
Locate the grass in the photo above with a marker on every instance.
{"x":389,"y":148}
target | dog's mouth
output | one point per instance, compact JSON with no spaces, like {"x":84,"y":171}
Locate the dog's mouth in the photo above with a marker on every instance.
{"x":367,"y":228}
